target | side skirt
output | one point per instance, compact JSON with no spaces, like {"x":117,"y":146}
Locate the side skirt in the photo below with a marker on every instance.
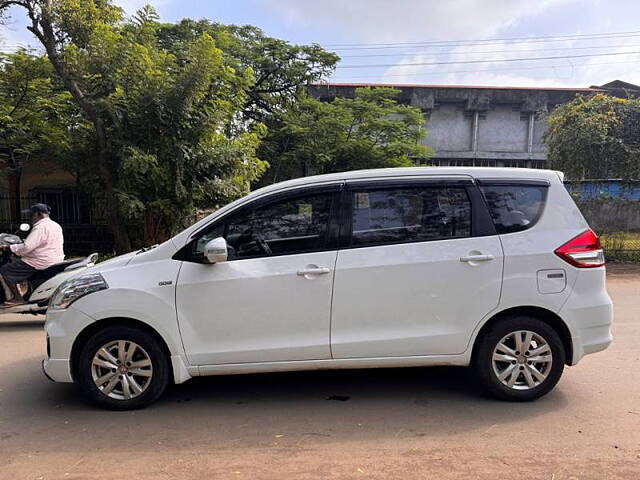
{"x":331,"y":364}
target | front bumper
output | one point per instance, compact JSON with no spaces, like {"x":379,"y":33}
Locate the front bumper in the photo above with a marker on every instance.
{"x":62,"y":328}
{"x":57,"y":370}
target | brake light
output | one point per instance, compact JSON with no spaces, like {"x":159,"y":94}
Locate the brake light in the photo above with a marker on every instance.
{"x":583,"y":251}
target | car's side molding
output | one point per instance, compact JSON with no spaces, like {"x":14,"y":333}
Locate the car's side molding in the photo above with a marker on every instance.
{"x":335,"y":364}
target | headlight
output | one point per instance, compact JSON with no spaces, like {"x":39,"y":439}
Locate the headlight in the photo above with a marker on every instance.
{"x":74,"y":288}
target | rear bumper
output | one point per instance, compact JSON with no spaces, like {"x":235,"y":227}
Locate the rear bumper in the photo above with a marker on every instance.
{"x":589,"y":314}
{"x":592,"y":331}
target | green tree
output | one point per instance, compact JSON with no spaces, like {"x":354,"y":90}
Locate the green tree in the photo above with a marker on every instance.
{"x":595,"y":137}
{"x":164,"y":130}
{"x":173,"y":114}
{"x":36,"y":117}
{"x":179,"y":147}
{"x":282,"y":70}
{"x":369,"y":131}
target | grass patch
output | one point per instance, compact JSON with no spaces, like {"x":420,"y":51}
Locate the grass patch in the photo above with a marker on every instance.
{"x":623,"y":246}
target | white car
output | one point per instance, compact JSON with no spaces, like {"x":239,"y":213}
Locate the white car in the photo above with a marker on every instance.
{"x":495,"y":268}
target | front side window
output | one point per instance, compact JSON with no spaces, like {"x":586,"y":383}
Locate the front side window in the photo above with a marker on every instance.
{"x":290,"y":226}
{"x":415,"y":214}
{"x":514,"y":208}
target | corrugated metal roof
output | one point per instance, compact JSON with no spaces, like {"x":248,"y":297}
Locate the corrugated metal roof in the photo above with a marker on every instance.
{"x":484,"y":87}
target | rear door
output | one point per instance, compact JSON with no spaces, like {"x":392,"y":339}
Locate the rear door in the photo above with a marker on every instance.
{"x":421,"y":266}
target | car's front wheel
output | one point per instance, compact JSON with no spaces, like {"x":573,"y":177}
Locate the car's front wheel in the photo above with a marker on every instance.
{"x":122,"y":368}
{"x":519,"y":358}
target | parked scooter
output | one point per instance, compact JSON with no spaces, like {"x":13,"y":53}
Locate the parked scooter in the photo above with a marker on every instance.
{"x":41,"y":286}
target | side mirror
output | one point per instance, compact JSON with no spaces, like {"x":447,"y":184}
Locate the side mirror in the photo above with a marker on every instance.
{"x":25,"y":227}
{"x":215,"y":251}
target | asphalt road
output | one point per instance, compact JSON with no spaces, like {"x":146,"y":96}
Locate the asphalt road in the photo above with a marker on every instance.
{"x":401,"y":424}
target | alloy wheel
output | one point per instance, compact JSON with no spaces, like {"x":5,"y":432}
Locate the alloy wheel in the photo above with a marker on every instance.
{"x":522,"y":360}
{"x":121,"y":369}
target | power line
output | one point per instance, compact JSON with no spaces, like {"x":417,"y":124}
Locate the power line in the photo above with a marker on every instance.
{"x":475,"y":44}
{"x":470,"y":52}
{"x":453,"y":62}
{"x":510,"y":39}
{"x":505,"y":69}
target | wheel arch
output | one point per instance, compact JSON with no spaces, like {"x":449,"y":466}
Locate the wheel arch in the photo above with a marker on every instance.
{"x":547,"y":316}
{"x":96,"y":326}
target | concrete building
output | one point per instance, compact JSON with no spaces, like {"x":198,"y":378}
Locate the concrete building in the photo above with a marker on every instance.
{"x":482,"y":126}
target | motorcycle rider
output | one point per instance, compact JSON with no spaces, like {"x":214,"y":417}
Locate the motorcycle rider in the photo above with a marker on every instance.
{"x":42,"y":248}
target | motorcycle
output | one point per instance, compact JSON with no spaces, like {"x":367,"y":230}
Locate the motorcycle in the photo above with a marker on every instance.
{"x":40,"y":287}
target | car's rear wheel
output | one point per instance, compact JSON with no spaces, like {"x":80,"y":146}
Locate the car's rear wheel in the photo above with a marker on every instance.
{"x":519,"y":358}
{"x":123,"y":368}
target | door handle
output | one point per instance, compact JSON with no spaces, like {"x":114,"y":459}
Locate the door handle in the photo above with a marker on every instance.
{"x":477,"y":258}
{"x":313,"y":271}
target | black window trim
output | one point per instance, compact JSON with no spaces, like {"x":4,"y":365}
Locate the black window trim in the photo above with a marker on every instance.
{"x":395,"y":182}
{"x":185,"y":253}
{"x":481,"y":222}
{"x":505,"y":182}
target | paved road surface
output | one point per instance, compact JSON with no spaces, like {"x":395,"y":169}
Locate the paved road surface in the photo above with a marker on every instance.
{"x":401,"y":424}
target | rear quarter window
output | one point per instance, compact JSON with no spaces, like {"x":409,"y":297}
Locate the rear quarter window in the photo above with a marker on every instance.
{"x":514,"y":208}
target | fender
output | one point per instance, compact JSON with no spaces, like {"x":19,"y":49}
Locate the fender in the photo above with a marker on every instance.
{"x":152,"y":310}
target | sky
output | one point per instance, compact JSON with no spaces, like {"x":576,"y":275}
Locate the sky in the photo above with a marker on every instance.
{"x":462,"y":42}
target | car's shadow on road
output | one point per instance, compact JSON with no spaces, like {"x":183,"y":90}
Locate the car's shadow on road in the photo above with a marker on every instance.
{"x":345,"y":404}
{"x":31,"y":323}
{"x":427,"y":391}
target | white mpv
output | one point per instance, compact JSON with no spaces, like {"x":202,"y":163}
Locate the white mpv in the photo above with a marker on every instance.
{"x":495,"y":268}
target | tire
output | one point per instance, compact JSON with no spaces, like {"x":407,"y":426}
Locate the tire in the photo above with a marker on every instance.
{"x":141,"y":373}
{"x":531,"y":373}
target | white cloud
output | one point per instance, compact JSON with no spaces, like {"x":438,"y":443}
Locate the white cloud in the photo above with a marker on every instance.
{"x":567,"y":72}
{"x":407,"y":20}
{"x":14,"y":33}
{"x":382,"y":21}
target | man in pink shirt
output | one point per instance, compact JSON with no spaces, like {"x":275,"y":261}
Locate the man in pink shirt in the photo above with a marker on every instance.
{"x":41,"y":249}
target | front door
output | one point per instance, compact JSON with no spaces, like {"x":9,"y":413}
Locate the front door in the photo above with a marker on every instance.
{"x":271,"y":301}
{"x":415,"y":278}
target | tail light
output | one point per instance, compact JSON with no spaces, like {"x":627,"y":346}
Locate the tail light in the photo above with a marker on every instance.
{"x":583,"y":251}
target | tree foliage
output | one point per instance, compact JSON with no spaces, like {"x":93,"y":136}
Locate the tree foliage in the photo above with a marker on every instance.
{"x":36,"y":117}
{"x":175,"y":113}
{"x":281,"y":70}
{"x":596,"y":137}
{"x":369,"y":131}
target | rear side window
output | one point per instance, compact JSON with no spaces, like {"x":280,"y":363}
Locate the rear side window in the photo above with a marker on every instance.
{"x":514,"y":208}
{"x":402,"y":215}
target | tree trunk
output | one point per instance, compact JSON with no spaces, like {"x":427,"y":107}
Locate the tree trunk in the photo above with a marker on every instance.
{"x":15,"y":193}
{"x":155,"y":230}
{"x":115,"y":220}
